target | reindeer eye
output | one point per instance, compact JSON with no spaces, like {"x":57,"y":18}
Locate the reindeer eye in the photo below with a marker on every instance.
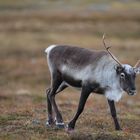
{"x":122,"y":75}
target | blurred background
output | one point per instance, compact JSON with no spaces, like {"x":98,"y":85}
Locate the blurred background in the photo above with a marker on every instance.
{"x":27,"y":27}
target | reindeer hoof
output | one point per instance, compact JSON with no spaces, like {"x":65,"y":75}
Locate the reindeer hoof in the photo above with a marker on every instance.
{"x":60,"y":125}
{"x":69,"y":130}
{"x":118,"y":129}
{"x":49,"y":123}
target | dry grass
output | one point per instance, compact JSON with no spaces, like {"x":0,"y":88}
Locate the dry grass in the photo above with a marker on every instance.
{"x":24,"y":74}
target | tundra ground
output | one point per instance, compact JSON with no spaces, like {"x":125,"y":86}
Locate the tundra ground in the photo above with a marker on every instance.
{"x":25,"y":32}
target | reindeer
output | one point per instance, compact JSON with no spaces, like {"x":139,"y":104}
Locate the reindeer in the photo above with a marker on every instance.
{"x":90,"y":71}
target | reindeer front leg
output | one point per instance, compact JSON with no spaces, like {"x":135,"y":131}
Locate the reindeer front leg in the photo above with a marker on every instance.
{"x":113,"y":113}
{"x":84,"y":95}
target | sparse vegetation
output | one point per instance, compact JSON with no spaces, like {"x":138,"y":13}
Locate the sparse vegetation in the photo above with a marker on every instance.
{"x":26,"y":29}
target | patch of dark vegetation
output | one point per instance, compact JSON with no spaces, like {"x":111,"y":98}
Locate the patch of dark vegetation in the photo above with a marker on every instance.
{"x":4,"y":97}
{"x":101,"y":136}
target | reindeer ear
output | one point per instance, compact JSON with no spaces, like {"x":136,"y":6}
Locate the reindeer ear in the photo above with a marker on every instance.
{"x":118,"y":68}
{"x":137,"y":67}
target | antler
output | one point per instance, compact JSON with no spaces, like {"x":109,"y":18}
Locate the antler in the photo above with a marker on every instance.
{"x":137,"y":64}
{"x":107,"y":48}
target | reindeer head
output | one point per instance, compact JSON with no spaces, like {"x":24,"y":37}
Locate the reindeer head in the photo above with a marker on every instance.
{"x":126,"y":73}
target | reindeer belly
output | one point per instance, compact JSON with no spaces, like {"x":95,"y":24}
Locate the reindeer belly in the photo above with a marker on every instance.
{"x":71,"y":81}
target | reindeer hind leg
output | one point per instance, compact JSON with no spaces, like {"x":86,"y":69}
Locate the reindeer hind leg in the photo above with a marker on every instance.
{"x":50,"y":120}
{"x":55,"y":89}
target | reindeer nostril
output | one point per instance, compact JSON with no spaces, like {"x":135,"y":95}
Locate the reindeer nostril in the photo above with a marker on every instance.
{"x":133,"y":89}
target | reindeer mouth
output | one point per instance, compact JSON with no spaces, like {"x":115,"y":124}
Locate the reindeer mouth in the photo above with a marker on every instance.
{"x":132,"y":92}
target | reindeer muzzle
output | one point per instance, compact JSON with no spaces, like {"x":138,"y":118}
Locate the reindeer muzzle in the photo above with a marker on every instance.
{"x":132,"y":92}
